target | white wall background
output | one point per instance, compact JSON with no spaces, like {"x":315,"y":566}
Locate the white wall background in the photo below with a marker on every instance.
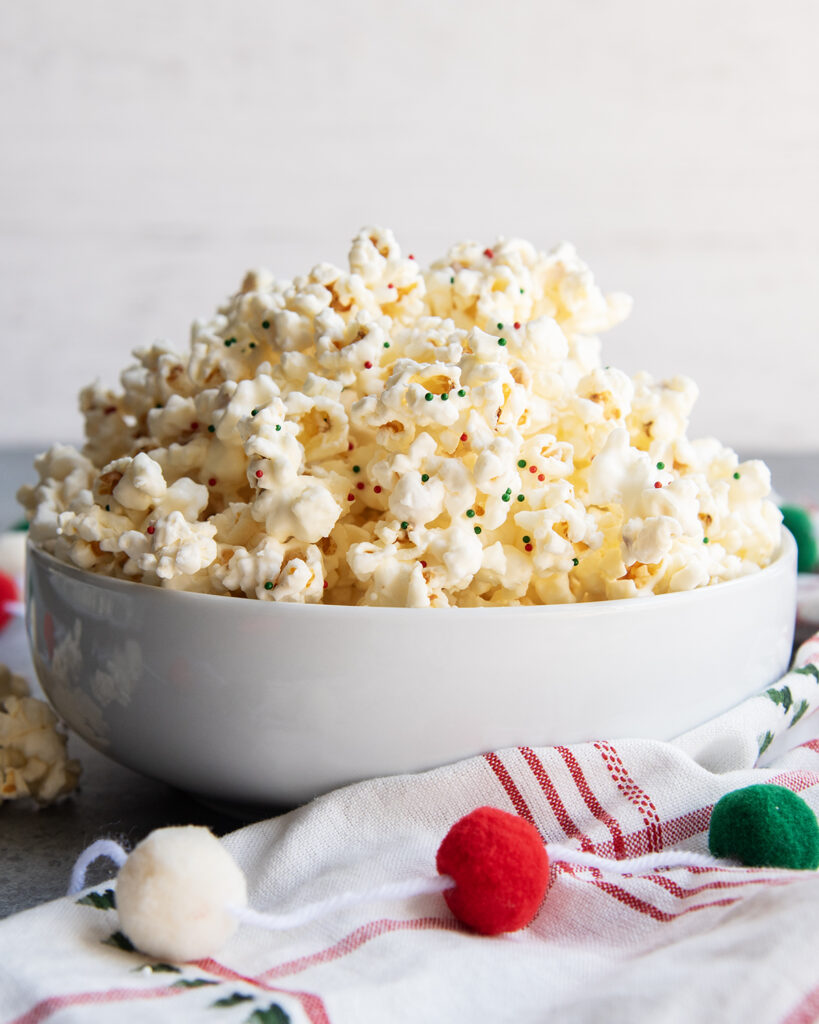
{"x":151,"y":151}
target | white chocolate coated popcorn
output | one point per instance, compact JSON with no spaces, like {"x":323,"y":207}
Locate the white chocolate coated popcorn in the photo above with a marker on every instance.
{"x":385,"y":435}
{"x":33,"y":760}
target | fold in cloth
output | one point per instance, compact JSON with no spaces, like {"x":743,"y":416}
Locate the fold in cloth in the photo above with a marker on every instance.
{"x":676,"y":945}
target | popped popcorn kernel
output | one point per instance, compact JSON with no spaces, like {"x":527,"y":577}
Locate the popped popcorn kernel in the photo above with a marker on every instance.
{"x":34,"y":763}
{"x":389,"y":435}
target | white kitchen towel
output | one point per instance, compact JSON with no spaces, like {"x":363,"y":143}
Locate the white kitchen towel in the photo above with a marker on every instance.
{"x":679,"y":945}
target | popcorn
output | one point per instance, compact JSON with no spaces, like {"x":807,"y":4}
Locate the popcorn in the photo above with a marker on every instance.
{"x":33,"y":761}
{"x":385,"y":435}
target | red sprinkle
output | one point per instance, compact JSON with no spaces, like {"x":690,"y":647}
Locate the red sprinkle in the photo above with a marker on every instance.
{"x":528,"y":547}
{"x":423,"y":565}
{"x":350,"y":446}
{"x":488,"y":253}
{"x":657,"y":483}
{"x":110,"y":409}
{"x":259,"y":473}
{"x":411,"y":257}
{"x":194,"y":425}
{"x":516,"y":325}
{"x":212,"y":482}
{"x":350,"y":497}
{"x":390,"y":285}
{"x":368,"y":365}
{"x":464,"y":437}
{"x":533,"y":469}
{"x":377,"y":488}
{"x":151,"y":529}
{"x":325,"y":584}
{"x":360,"y":486}
{"x":541,"y":477}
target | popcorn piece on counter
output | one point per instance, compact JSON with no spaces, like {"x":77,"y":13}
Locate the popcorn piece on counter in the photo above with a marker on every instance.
{"x":33,"y":760}
{"x":386,"y":435}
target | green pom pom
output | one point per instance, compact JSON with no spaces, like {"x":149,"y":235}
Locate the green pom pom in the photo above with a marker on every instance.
{"x":799,"y":522}
{"x":765,"y":826}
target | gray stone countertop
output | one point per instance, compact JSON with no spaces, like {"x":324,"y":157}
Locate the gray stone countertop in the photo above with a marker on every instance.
{"x":38,"y":848}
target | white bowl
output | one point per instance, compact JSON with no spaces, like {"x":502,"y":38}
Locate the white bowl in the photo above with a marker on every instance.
{"x":257,"y":702}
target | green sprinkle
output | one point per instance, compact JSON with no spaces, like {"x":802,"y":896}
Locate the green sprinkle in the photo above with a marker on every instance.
{"x":386,"y":344}
{"x":265,"y":324}
{"x":158,"y":405}
{"x":501,"y":342}
{"x":521,"y":498}
{"x":471,"y":513}
{"x":705,"y":540}
{"x":452,"y":280}
{"x":500,"y":327}
{"x":521,"y":291}
{"x":404,"y":526}
{"x":268,"y":585}
{"x":229,"y":342}
{"x":461,"y":393}
{"x":211,"y":429}
{"x":445,"y":397}
{"x":522,"y":463}
{"x":736,"y":476}
{"x":527,"y":540}
{"x":107,"y":508}
{"x":505,"y":497}
{"x":660,"y":465}
{"x":254,"y":412}
{"x":424,"y":477}
{"x":278,"y":426}
{"x":575,"y":561}
{"x":477,"y":529}
{"x":356,"y":469}
{"x":253,"y":344}
{"x":428,"y":396}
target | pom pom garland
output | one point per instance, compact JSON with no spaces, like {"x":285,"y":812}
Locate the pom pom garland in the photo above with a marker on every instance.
{"x":500,"y":868}
{"x":803,"y":524}
{"x":765,"y":826}
{"x":10,"y":604}
{"x":176,"y":891}
{"x":181,"y":896}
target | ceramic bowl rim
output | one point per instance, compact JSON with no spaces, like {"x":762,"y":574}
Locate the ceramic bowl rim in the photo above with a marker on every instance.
{"x":786,"y":552}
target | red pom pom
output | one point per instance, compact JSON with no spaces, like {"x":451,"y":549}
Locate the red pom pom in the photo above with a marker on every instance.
{"x":8,"y":592}
{"x":500,"y":867}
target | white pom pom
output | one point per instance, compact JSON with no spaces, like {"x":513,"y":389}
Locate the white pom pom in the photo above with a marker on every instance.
{"x":13,"y":553}
{"x":173,"y":894}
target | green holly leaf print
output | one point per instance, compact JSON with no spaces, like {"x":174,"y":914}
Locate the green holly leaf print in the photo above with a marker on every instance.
{"x":765,"y":741}
{"x":801,"y":709}
{"x":120,"y":941}
{"x":232,"y":1000}
{"x":101,"y":900}
{"x":808,"y":670}
{"x":783,"y":697}
{"x":274,"y":1014}
{"x":193,"y":982}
